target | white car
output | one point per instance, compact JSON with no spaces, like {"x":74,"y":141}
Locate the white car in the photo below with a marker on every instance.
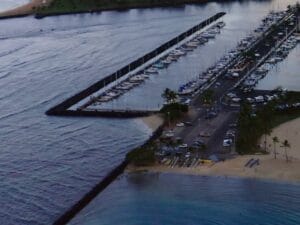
{"x":183,"y":146}
{"x":236,"y":100}
{"x":235,"y":75}
{"x":231,"y":95}
{"x":250,"y":100}
{"x":180,"y":125}
{"x":169,"y":134}
{"x":227,"y":142}
{"x":259,"y":99}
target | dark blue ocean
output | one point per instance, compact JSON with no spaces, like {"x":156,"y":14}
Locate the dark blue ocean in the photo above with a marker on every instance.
{"x":48,"y":163}
{"x":168,"y":199}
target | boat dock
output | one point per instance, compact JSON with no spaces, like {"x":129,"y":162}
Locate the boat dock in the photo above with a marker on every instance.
{"x":133,"y":74}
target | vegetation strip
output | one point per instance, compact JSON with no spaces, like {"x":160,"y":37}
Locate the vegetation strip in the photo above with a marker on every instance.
{"x":61,"y":7}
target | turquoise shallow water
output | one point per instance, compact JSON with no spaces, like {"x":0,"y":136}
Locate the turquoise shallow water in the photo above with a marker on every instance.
{"x":169,"y":199}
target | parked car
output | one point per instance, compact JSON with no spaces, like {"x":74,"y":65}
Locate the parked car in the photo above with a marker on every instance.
{"x":233,"y":125}
{"x":211,"y":115}
{"x":236,"y":100}
{"x":227,"y":142}
{"x":187,"y":123}
{"x":169,"y":134}
{"x":204,"y":134}
{"x":259,"y":99}
{"x":250,"y":100}
{"x":199,"y":142}
{"x":183,"y":146}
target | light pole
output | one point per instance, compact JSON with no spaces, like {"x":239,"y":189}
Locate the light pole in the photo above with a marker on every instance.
{"x":169,"y":119}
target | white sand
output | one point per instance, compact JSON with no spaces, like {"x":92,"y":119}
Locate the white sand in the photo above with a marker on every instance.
{"x":153,"y":122}
{"x":26,"y":9}
{"x":269,"y":168}
{"x":288,"y":131}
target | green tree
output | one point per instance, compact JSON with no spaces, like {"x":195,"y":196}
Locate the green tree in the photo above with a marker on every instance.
{"x":247,"y":130}
{"x":275,"y":141}
{"x":166,"y":94}
{"x":207,"y":97}
{"x":202,"y":150}
{"x":172,"y":96}
{"x":169,"y":95}
{"x":265,"y":123}
{"x":286,"y":145}
{"x":250,"y":54}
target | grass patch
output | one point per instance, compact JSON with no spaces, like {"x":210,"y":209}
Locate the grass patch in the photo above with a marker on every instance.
{"x":143,"y":156}
{"x":174,"y":111}
{"x":73,"y":6}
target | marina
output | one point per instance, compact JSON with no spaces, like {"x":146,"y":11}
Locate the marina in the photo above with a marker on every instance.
{"x":234,"y":66}
{"x":153,"y":69}
{"x":147,"y":63}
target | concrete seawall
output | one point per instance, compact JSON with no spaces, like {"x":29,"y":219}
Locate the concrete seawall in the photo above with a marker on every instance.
{"x":88,"y":197}
{"x":104,"y":113}
{"x":60,"y":109}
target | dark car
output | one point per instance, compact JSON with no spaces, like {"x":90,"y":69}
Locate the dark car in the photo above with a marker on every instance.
{"x":211,"y":115}
{"x":187,"y":123}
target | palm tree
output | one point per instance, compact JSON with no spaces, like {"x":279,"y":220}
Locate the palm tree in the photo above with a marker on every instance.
{"x":169,"y":95}
{"x":265,"y":123}
{"x":286,"y":145}
{"x":202,"y":150}
{"x":172,"y":96}
{"x":275,"y":141}
{"x":166,"y":94}
{"x":207,"y":97}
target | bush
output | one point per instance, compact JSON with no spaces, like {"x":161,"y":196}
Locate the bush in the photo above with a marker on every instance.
{"x":174,"y":111}
{"x":143,"y":156}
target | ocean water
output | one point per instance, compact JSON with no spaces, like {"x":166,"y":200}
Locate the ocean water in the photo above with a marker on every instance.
{"x":168,"y":199}
{"x":47,"y":163}
{"x":10,"y":4}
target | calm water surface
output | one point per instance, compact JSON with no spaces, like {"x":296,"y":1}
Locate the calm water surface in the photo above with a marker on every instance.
{"x":47,"y":163}
{"x":166,"y":199}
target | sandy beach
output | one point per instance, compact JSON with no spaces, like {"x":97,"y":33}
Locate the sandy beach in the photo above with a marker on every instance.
{"x":288,"y":131}
{"x":26,"y":9}
{"x":153,"y":122}
{"x":268,"y":168}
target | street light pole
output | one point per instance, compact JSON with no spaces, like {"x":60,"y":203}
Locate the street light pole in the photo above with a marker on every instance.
{"x":169,"y":119}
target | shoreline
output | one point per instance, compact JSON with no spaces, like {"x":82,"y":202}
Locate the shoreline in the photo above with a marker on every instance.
{"x":153,"y":122}
{"x":221,"y":169}
{"x":30,"y":9}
